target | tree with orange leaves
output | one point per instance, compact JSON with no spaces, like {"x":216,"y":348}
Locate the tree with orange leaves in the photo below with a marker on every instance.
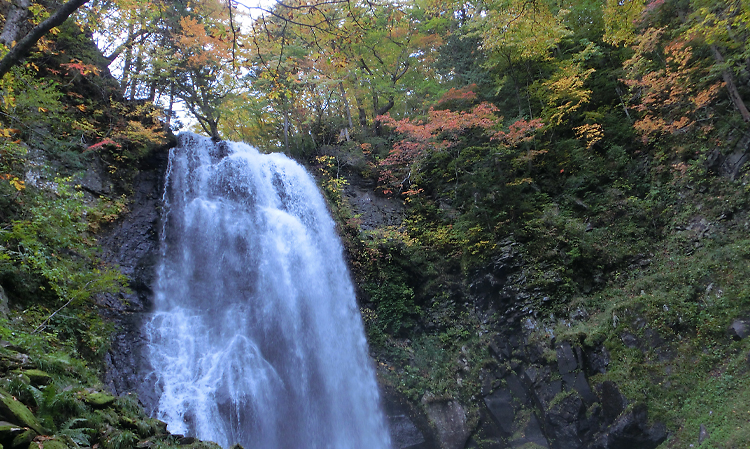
{"x":441,"y":131}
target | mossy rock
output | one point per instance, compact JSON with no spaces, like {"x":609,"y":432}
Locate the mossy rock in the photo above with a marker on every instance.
{"x":51,"y":444}
{"x":23,"y":439}
{"x":15,"y":360}
{"x":7,"y":428}
{"x":128,"y":423}
{"x":15,"y":412}
{"x":159,"y":425}
{"x":36,"y":377}
{"x":99,"y":399}
{"x":8,"y":433}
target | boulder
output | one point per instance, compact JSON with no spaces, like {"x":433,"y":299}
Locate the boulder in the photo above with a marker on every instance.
{"x":404,"y":433}
{"x":500,"y":405}
{"x":15,"y":360}
{"x":739,"y":329}
{"x":8,"y":432}
{"x":597,"y":360}
{"x":566,"y":359}
{"x":98,"y":399}
{"x":15,"y":412}
{"x":408,"y":425}
{"x":613,"y":402}
{"x":23,"y":439}
{"x":562,"y":421}
{"x":449,"y":419}
{"x":631,"y":430}
{"x":36,"y":377}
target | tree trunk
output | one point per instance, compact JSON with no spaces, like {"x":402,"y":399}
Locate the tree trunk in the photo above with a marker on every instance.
{"x":348,"y":110}
{"x":27,"y":43}
{"x":134,"y":78}
{"x":286,"y":130}
{"x":170,"y":110}
{"x":127,"y":64}
{"x":214,"y":127}
{"x":17,"y":14}
{"x":377,"y":125}
{"x":362,"y":115}
{"x":734,"y":94}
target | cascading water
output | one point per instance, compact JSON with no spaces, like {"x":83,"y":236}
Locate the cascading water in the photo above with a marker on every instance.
{"x":256,"y":337}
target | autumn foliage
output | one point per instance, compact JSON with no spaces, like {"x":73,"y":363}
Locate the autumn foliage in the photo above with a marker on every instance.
{"x":674,"y":98}
{"x":441,"y":130}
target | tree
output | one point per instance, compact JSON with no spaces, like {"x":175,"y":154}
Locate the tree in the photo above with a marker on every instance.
{"x":22,"y":47}
{"x":675,"y":96}
{"x":442,"y":131}
{"x":205,"y":67}
{"x":331,"y":58}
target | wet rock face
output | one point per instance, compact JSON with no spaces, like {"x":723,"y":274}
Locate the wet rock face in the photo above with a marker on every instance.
{"x":539,"y":390}
{"x":449,"y":420}
{"x":408,"y":425}
{"x":375,"y":210}
{"x":551,"y":403}
{"x":133,"y":244}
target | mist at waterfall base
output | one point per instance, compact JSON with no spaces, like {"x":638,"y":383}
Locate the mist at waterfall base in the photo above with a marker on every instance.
{"x":256,"y":337}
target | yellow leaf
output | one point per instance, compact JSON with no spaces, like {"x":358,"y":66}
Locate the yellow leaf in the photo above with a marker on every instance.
{"x":18,"y":184}
{"x":41,"y":109}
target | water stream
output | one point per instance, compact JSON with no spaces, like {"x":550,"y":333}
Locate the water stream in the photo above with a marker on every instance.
{"x":256,"y":337}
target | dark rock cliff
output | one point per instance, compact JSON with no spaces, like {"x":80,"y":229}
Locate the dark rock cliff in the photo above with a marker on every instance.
{"x":133,"y":244}
{"x":536,"y":393}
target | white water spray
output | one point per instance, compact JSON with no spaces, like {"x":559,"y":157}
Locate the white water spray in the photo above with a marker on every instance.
{"x":256,"y":337}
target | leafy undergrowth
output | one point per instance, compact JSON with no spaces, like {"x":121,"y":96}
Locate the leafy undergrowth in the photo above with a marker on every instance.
{"x":70,"y":406}
{"x":69,"y":146}
{"x":666,"y":328}
{"x":665,"y":319}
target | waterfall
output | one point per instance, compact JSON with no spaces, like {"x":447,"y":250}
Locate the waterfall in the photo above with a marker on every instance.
{"x":256,"y":337}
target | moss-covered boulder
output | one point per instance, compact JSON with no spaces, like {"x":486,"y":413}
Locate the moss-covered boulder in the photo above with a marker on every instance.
{"x":36,"y":377}
{"x":11,"y":360}
{"x":98,"y":399}
{"x":159,"y":425}
{"x":23,"y":439}
{"x":54,"y":443}
{"x":15,"y":412}
{"x":8,"y":433}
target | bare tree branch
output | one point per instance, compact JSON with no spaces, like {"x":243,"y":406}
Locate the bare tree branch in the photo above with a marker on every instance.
{"x":127,"y":44}
{"x":27,"y":43}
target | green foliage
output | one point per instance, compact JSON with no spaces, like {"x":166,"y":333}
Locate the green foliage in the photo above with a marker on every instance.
{"x":75,"y":429}
{"x":34,"y":104}
{"x":120,"y":440}
{"x":52,"y":242}
{"x":394,"y":305}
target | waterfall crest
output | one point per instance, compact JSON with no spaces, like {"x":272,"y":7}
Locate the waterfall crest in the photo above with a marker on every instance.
{"x":256,"y":337}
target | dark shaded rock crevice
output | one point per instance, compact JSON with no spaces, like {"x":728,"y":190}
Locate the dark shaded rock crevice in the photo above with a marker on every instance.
{"x":132,"y":244}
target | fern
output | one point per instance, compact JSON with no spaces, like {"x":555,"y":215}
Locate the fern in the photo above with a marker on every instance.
{"x":76,"y":430}
{"x":120,"y":440}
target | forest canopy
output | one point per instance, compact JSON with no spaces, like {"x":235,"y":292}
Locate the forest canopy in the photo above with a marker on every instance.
{"x":295,"y":75}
